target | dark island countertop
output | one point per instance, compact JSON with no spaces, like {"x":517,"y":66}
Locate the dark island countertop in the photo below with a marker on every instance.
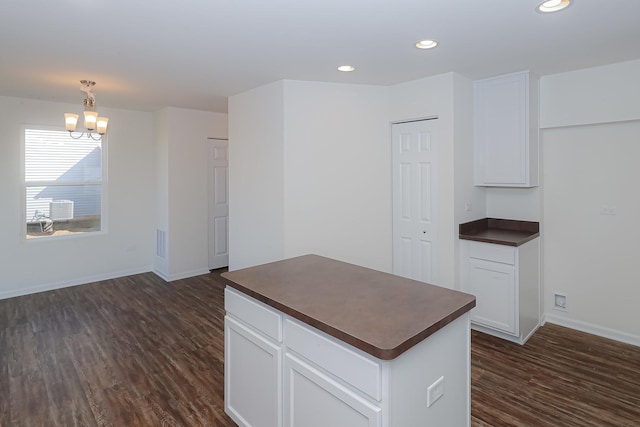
{"x":379,"y":313}
{"x":500,"y":231}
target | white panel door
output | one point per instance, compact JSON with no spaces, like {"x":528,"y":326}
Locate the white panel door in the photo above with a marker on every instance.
{"x":415,"y":200}
{"x":218,"y":203}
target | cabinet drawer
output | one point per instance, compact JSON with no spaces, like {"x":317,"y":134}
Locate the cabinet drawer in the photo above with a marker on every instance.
{"x":360,"y":372}
{"x":492,"y":252}
{"x":254,"y":313}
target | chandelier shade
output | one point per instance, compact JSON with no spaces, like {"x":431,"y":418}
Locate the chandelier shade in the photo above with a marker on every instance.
{"x":90,"y":119}
{"x":70,"y":121}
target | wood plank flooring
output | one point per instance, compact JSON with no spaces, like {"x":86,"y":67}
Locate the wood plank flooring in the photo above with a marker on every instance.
{"x":561,"y":377}
{"x":136,"y":351}
{"x":133,"y":351}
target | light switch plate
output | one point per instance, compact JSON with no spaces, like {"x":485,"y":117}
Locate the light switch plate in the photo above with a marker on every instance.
{"x":435,"y":391}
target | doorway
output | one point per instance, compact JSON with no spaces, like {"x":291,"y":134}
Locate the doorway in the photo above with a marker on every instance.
{"x":415,"y":198}
{"x":218,"y":189}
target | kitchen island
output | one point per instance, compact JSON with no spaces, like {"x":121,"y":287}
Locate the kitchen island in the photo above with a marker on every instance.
{"x":312,"y":341}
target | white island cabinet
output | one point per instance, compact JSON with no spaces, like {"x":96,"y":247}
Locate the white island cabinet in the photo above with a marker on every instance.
{"x":253,"y":362}
{"x":281,"y":371}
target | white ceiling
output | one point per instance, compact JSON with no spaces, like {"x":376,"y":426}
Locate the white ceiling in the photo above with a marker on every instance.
{"x":147,"y":54}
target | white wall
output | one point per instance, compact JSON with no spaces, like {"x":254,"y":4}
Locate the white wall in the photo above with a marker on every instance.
{"x":590,"y":151}
{"x":464,"y":190}
{"x":337,"y":182}
{"x":126,"y":247}
{"x":256,"y":176}
{"x":161,"y":139}
{"x":335,"y":147}
{"x":450,"y":97}
{"x":182,"y":162}
{"x":514,"y":203}
{"x":603,"y":94}
{"x":309,"y":167}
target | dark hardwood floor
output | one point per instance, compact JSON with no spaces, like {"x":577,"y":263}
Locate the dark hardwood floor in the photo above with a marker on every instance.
{"x":136,"y":351}
{"x":561,"y":377}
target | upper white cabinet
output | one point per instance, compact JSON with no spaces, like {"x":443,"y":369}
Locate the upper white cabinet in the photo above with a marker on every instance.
{"x":506,"y":130}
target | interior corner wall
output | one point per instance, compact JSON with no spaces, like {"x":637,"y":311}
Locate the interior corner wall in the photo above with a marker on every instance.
{"x":161,"y":140}
{"x":469,"y":200}
{"x":182,"y":163}
{"x":337,"y":180}
{"x":127,"y":245}
{"x":591,"y":123}
{"x":256,"y":176}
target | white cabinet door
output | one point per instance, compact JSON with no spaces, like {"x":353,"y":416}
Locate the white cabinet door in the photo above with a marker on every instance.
{"x":505,"y":131}
{"x":312,"y":399}
{"x":253,"y":372}
{"x":494,"y":285}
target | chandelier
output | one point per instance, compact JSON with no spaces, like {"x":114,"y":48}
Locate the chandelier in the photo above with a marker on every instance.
{"x":92,"y":123}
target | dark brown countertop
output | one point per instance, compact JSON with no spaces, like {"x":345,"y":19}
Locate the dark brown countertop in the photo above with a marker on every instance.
{"x":379,"y":313}
{"x":500,"y":231}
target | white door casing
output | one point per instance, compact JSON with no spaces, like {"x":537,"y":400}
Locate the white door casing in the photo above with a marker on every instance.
{"x":415,"y":173}
{"x":218,"y":184}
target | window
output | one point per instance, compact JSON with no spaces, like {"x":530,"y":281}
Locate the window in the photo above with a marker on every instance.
{"x":64,"y":183}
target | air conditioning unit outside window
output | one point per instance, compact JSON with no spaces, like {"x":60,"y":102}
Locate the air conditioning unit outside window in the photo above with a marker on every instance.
{"x":61,"y":210}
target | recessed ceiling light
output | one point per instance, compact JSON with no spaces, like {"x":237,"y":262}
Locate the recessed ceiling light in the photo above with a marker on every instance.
{"x":426,"y":44}
{"x":346,"y":68}
{"x":553,"y":5}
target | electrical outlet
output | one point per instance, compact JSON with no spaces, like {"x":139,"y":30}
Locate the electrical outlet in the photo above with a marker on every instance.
{"x":467,"y":207}
{"x":559,"y":301}
{"x":435,"y":391}
{"x":608,"y":210}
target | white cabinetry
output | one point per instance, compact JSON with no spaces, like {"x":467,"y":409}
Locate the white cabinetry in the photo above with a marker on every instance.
{"x":494,"y":286}
{"x":253,"y":362}
{"x":506,"y":283}
{"x":313,"y":397}
{"x":282,"y":372}
{"x":506,"y":130}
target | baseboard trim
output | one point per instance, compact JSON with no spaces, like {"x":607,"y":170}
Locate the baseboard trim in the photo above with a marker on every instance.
{"x":160,"y":274}
{"x":178,"y":276}
{"x":590,"y":328}
{"x":516,"y":339}
{"x":75,"y":282}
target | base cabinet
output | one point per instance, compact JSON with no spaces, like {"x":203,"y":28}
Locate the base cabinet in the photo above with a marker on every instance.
{"x":253,"y":368}
{"x":506,"y":283}
{"x":282,"y":372}
{"x":313,"y":399}
{"x":494,"y":285}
